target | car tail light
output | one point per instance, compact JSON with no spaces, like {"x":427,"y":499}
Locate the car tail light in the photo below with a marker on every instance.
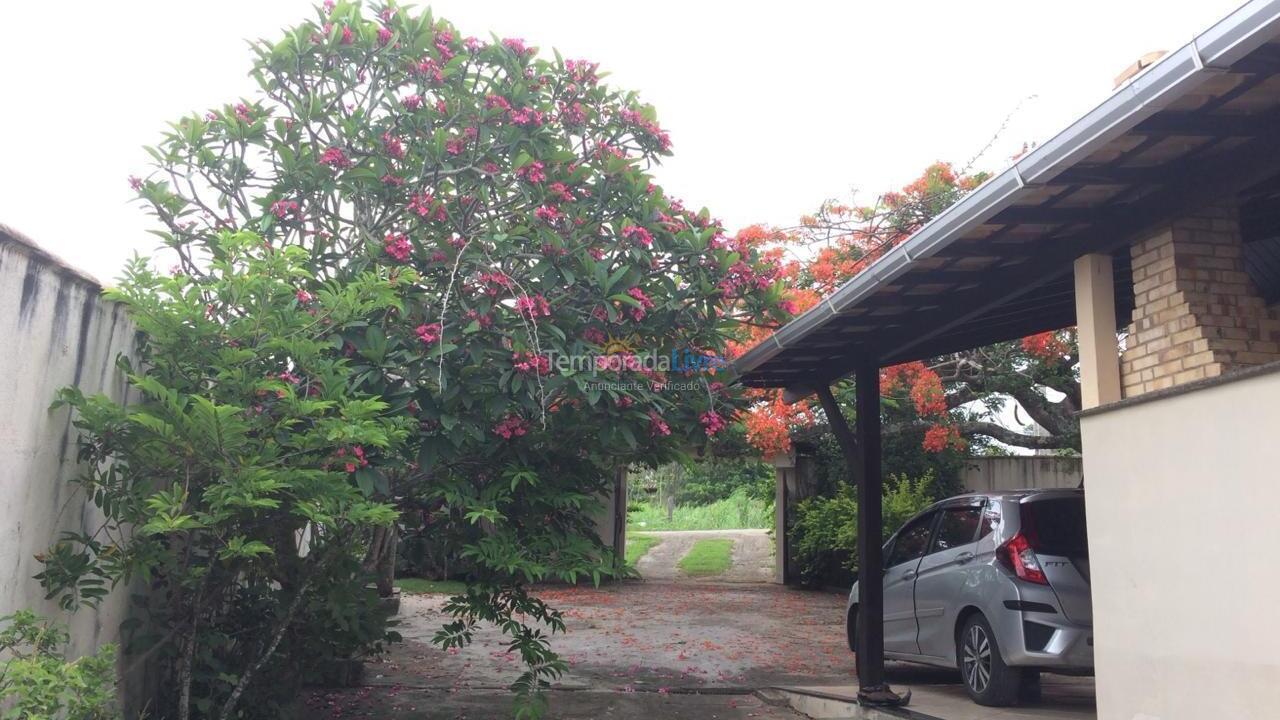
{"x":1017,"y":555}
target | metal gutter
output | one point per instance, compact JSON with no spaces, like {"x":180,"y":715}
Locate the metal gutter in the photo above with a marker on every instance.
{"x":1211,"y":52}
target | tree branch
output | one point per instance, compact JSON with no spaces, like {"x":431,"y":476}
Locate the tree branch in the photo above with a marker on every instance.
{"x":1013,"y":437}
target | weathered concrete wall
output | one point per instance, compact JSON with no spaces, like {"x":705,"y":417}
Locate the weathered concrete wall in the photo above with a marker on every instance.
{"x":1182,"y":506}
{"x":794,"y":481}
{"x":983,"y":474}
{"x":56,"y":331}
{"x":611,"y":517}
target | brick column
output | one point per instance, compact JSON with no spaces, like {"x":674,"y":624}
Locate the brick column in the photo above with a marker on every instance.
{"x":1196,"y":312}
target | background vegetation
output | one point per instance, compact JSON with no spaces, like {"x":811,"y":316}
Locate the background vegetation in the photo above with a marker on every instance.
{"x":711,"y":493}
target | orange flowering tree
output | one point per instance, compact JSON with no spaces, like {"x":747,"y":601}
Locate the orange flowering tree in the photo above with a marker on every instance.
{"x":954,"y":401}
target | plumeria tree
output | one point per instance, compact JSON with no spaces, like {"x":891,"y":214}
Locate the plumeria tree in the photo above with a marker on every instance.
{"x":951,"y":402}
{"x":554,"y":314}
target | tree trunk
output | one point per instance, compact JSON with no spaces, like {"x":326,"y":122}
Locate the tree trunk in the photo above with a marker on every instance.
{"x":243,"y":682}
{"x":184,"y":675}
{"x":386,"y":566}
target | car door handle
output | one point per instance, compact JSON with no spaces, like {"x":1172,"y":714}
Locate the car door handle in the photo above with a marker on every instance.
{"x":908,"y":574}
{"x":964,"y":557}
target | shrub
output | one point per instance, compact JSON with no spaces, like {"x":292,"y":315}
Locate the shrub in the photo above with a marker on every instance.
{"x":38,"y":683}
{"x":824,"y":536}
{"x":239,"y":483}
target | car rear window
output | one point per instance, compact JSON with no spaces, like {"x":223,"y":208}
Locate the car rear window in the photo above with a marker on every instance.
{"x":1057,"y":526}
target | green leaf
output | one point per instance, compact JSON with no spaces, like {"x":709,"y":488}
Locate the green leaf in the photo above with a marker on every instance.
{"x":615,"y":277}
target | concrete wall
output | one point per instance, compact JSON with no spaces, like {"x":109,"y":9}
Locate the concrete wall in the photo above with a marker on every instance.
{"x":1184,"y":524}
{"x":794,"y":481}
{"x":983,"y":474}
{"x":611,"y":517}
{"x":56,"y":332}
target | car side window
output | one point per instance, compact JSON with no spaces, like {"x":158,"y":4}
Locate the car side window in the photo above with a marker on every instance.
{"x":958,"y":527}
{"x":990,"y":519}
{"x":912,"y":541}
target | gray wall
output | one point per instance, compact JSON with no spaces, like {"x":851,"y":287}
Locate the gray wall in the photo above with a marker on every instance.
{"x":55,"y":331}
{"x":982,"y":474}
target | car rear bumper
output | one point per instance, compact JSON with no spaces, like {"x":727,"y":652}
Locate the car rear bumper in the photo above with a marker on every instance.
{"x":1034,"y":632}
{"x":1068,"y":647}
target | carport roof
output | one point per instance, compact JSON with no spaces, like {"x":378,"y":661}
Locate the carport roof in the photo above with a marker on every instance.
{"x":1200,"y":125}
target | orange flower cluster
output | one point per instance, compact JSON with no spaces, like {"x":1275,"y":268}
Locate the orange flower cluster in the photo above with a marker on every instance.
{"x":942,"y":437}
{"x":922,"y":385}
{"x":1048,"y":346}
{"x":928,"y":396}
{"x":768,"y":425}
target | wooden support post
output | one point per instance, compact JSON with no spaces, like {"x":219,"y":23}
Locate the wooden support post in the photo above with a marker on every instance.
{"x":1096,"y":331}
{"x":870,"y":564}
{"x":862,"y":456}
{"x":844,"y":437}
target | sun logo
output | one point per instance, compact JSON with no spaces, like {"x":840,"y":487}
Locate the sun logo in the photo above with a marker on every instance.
{"x":618,"y":346}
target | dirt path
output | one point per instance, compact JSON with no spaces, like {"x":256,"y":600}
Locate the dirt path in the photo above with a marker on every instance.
{"x":752,"y":559}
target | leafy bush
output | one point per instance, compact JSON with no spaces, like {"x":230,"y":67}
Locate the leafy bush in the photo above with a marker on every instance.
{"x":824,"y":536}
{"x":236,"y":482}
{"x":38,"y":683}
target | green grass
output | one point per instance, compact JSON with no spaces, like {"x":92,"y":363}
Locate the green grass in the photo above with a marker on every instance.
{"x":709,"y":556}
{"x":735,"y":513}
{"x":637,"y":545}
{"x":418,"y":586}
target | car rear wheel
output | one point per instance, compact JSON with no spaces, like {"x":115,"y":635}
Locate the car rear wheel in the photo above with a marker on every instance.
{"x":986,"y":678}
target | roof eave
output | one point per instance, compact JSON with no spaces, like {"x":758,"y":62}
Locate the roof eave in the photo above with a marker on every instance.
{"x":1212,"y":51}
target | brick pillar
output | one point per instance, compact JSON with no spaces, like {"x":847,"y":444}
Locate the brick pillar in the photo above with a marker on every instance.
{"x":1196,"y":312}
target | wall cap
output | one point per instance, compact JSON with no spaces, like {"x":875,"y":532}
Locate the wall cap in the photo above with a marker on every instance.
{"x":1193,"y":386}
{"x":8,"y":235}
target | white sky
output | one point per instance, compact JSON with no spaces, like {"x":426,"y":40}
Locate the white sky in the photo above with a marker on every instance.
{"x":772,"y":107}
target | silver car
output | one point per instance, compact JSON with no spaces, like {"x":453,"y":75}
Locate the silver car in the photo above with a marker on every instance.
{"x":993,"y":584}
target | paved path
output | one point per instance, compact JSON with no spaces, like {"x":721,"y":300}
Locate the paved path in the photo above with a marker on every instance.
{"x":752,"y":559}
{"x":684,"y":650}
{"x":688,"y":635}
